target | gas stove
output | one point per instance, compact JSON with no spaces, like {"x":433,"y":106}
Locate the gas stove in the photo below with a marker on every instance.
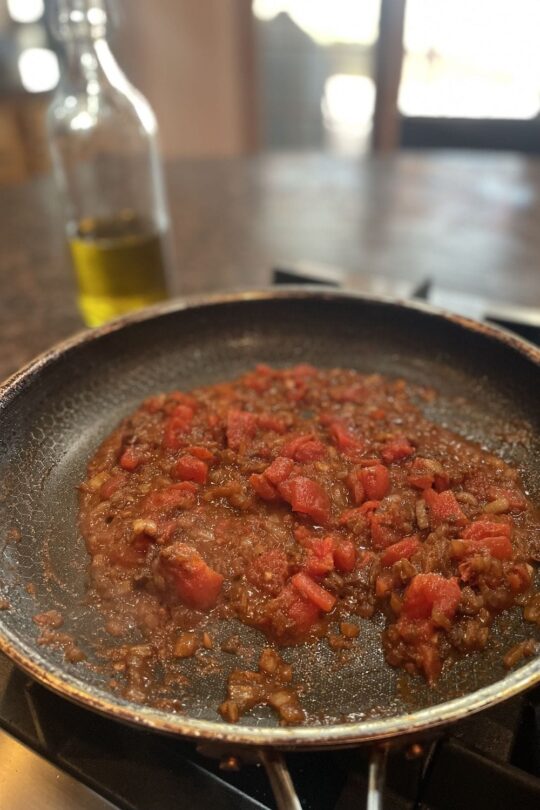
{"x":56,"y":755}
{"x":491,"y":762}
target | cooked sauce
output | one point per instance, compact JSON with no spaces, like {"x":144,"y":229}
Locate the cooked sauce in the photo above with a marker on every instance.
{"x":296,"y":501}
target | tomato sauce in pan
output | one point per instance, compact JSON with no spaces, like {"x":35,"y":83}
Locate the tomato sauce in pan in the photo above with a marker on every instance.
{"x":296,"y":501}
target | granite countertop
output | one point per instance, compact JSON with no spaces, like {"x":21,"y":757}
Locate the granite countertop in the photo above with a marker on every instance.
{"x":470,"y":221}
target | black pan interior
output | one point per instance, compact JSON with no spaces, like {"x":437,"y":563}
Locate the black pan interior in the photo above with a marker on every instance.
{"x":52,"y":421}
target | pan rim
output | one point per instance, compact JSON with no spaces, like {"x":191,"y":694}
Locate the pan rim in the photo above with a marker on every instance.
{"x":335,"y":735}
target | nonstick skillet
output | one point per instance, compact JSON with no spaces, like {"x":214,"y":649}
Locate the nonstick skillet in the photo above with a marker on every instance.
{"x":55,"y":412}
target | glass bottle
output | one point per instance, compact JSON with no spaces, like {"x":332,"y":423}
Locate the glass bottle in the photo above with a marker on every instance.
{"x":102,"y":134}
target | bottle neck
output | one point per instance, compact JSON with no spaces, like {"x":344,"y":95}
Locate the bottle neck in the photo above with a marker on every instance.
{"x":81,"y":27}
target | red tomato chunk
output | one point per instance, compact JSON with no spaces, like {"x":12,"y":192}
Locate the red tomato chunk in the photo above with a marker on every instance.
{"x":396,"y":450}
{"x":310,"y":590}
{"x":241,"y":428}
{"x":402,"y":550}
{"x":306,"y":497}
{"x":376,"y":481}
{"x":304,"y":448}
{"x":444,"y":508}
{"x":193,"y":581}
{"x":429,"y":592}
{"x":191,"y":468}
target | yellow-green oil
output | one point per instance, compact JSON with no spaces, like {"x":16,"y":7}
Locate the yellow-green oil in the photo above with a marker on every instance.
{"x":119,"y":265}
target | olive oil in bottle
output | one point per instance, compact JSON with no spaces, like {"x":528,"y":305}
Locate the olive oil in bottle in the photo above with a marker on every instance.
{"x":119,"y":264}
{"x":103,"y":139}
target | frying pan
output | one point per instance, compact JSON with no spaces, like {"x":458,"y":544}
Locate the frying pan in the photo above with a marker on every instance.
{"x":55,"y":412}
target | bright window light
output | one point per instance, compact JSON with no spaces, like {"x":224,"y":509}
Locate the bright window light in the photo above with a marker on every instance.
{"x":327,"y":21}
{"x":25,"y":11}
{"x":348,"y":103}
{"x":471,"y":60}
{"x":38,"y":69}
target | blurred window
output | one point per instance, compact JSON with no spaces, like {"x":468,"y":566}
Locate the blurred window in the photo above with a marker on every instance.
{"x":316,"y":72}
{"x":468,"y":59}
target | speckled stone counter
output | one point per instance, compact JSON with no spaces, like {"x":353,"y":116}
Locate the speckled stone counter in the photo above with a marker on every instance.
{"x":468,"y":220}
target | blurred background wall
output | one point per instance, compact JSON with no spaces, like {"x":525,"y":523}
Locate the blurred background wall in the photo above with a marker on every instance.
{"x":228,"y":77}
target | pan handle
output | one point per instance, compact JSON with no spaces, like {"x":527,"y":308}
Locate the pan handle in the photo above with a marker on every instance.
{"x":280,"y":780}
{"x":285,"y":793}
{"x":376,"y":775}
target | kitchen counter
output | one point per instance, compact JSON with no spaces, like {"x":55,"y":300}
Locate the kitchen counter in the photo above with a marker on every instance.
{"x":469,"y":221}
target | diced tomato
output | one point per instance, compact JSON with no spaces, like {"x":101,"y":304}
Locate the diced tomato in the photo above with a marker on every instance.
{"x":193,"y":581}
{"x":303,"y":535}
{"x":130,"y":459}
{"x":306,"y":497}
{"x":304,"y":448}
{"x":302,"y":612}
{"x":443,"y":507}
{"x":382,"y":535}
{"x":320,"y":558}
{"x":176,"y":496}
{"x":376,"y":481}
{"x":319,"y":566}
{"x":426,"y":473}
{"x":368,"y":506}
{"x":176,"y":426}
{"x":263,"y":487}
{"x":498,"y":546}
{"x":517,"y":502}
{"x":200,"y":452}
{"x":344,"y":440}
{"x":356,"y":487}
{"x":310,"y":590}
{"x":345,"y":556}
{"x":190,"y":468}
{"x":323,"y":545}
{"x":112,"y":485}
{"x":267,"y":421}
{"x":428,"y":592}
{"x":269,"y":571}
{"x":396,"y":450}
{"x":486,"y":528}
{"x":421,"y":481}
{"x":241,"y":428}
{"x":420,"y":476}
{"x":358,"y":512}
{"x":402,"y":550}
{"x":279,"y":470}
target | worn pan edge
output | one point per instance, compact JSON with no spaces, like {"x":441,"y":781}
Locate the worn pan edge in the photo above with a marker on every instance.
{"x":339,"y":735}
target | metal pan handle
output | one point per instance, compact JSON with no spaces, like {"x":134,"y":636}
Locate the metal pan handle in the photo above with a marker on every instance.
{"x":280,"y":780}
{"x":376,"y":775}
{"x":285,"y":793}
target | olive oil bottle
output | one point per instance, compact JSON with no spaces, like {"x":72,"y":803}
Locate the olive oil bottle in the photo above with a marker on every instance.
{"x":103,"y":139}
{"x":119,"y":266}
